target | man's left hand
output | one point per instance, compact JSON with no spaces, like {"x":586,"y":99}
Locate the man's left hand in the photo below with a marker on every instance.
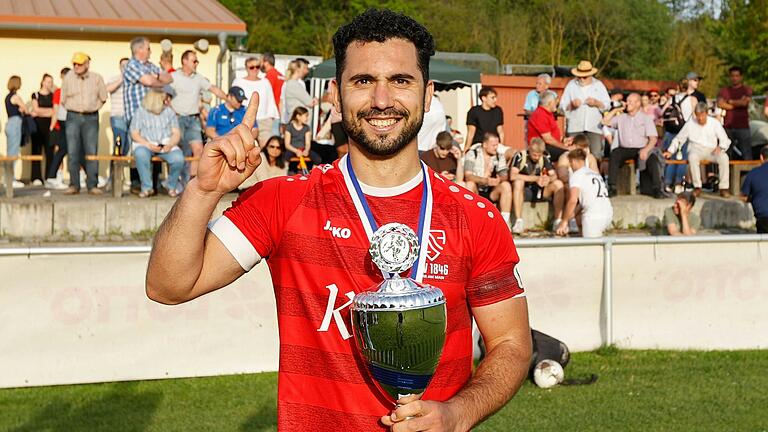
{"x":644,"y":154}
{"x":717,"y":150}
{"x":593,"y":102}
{"x":420,"y":415}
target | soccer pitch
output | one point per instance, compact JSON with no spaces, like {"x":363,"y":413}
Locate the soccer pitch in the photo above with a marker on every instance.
{"x":636,"y":390}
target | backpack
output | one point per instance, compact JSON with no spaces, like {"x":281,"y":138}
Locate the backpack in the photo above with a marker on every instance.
{"x":673,"y":116}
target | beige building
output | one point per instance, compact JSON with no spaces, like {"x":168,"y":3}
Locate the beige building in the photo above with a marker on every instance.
{"x":38,"y":37}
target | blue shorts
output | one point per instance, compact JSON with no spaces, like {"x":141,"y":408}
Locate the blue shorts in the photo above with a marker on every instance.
{"x":191,"y":131}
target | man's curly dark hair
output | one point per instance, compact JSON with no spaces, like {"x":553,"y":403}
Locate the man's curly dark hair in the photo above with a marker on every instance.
{"x":379,"y":25}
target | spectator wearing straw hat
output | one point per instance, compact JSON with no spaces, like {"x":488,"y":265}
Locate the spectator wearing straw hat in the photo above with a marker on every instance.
{"x":83,"y":92}
{"x":583,"y":101}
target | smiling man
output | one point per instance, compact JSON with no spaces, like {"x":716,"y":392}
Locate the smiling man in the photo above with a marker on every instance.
{"x":314,"y":232}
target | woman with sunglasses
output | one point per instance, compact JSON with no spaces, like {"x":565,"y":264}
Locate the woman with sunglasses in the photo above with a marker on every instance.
{"x":273,"y":163}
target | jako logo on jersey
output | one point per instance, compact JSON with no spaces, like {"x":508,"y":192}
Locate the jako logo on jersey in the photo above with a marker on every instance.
{"x":337,"y":232}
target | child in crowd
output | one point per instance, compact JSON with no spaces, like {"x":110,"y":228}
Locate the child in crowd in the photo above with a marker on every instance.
{"x":298,"y":139}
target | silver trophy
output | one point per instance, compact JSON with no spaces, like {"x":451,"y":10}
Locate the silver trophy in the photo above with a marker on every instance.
{"x":400,"y":325}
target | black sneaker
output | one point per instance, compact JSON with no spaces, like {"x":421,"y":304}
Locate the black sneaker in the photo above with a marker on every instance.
{"x":612,"y":192}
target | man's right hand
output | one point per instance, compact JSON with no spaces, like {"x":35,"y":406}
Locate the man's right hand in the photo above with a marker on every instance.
{"x":667,"y":155}
{"x":228,"y":160}
{"x":575,"y":103}
{"x":493,"y":181}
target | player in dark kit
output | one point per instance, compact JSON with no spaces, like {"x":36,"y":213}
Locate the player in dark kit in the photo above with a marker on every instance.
{"x":314,"y":232}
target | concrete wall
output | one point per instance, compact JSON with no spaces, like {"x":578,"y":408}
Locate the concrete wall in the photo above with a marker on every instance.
{"x":64,"y":216}
{"x":85,"y":318}
{"x":31,"y":55}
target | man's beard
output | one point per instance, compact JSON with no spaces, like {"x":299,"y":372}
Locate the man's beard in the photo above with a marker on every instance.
{"x":384,"y":145}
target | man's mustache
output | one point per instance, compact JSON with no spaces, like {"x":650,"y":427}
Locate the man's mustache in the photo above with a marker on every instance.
{"x":389,"y":112}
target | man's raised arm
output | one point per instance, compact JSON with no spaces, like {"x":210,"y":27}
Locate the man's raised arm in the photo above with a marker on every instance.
{"x":187,"y":261}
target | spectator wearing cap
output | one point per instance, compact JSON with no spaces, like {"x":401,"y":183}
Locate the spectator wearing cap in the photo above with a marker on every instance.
{"x":534,"y":96}
{"x":680,"y":220}
{"x":294,"y":92}
{"x":83,"y":92}
{"x":694,"y":80}
{"x":155,"y":132}
{"x":707,"y":140}
{"x":224,"y":117}
{"x":755,"y":190}
{"x":735,"y":100}
{"x":189,"y":86}
{"x":583,"y":101}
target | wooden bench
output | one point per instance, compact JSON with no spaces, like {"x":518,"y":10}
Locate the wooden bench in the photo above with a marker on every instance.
{"x":120,"y":162}
{"x":6,"y":162}
{"x":628,"y":186}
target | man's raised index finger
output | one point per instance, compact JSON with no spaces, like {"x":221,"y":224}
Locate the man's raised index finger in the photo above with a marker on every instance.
{"x":250,"y":113}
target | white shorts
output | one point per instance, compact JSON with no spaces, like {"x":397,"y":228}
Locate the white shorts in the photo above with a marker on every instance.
{"x":593,"y":226}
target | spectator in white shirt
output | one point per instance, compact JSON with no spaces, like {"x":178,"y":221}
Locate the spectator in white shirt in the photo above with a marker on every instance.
{"x":707,"y":140}
{"x":434,"y":123}
{"x":587,"y":200}
{"x":583,"y":101}
{"x":268,"y":112}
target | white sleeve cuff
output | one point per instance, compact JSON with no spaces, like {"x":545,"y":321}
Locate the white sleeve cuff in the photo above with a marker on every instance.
{"x":235,"y":241}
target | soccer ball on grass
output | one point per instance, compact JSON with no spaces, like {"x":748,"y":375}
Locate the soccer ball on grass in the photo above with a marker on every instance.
{"x":548,"y":373}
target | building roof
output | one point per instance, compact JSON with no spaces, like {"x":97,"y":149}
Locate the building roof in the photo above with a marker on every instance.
{"x":171,"y":17}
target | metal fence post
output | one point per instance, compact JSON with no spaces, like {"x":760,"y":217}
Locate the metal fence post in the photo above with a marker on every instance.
{"x":608,"y":289}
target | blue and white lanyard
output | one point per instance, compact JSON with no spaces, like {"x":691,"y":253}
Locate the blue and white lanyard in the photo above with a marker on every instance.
{"x":369,"y":222}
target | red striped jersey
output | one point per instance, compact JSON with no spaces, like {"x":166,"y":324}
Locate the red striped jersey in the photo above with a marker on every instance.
{"x":317,"y":251}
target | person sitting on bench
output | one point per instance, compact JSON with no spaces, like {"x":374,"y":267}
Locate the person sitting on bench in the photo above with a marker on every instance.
{"x":707,"y":140}
{"x":155,"y":132}
{"x":637,"y":139}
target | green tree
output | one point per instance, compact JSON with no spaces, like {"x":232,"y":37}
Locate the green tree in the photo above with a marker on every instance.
{"x":742,"y":39}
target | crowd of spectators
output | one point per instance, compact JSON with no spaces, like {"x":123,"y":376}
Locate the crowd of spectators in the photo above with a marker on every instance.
{"x":579,"y":171}
{"x":156,"y":112}
{"x":163,"y":112}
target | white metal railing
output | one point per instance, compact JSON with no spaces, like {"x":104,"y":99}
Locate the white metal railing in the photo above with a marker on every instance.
{"x":607,"y":244}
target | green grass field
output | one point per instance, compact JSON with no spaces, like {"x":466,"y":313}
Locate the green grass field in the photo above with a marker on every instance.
{"x":636,"y":391}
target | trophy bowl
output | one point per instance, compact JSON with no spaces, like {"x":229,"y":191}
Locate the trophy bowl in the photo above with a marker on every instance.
{"x":400,"y":335}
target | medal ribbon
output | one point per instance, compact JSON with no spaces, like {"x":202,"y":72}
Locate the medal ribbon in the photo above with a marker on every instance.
{"x":369,"y":222}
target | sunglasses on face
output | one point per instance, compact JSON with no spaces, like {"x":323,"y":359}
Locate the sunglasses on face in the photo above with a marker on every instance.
{"x":253,"y":67}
